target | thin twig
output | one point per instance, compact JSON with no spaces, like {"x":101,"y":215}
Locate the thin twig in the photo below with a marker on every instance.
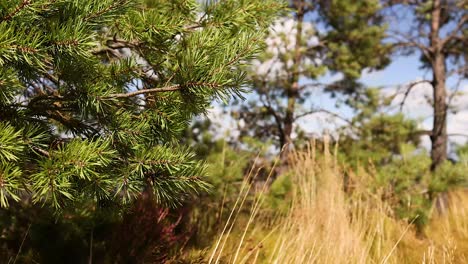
{"x":170,"y":88}
{"x":385,"y":260}
{"x":407,"y":41}
{"x":454,"y":93}
{"x":97,"y":14}
{"x":145,"y":91}
{"x":91,"y":247}
{"x":408,"y":90}
{"x":326,"y":112}
{"x":458,"y":28}
{"x":42,"y":151}
{"x":23,"y":4}
{"x":457,"y":135}
{"x":22,"y":242}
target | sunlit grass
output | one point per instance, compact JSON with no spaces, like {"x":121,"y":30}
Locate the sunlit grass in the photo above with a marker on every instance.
{"x":326,"y":224}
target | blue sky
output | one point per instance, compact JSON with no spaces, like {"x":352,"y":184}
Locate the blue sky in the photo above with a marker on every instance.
{"x":402,"y":71}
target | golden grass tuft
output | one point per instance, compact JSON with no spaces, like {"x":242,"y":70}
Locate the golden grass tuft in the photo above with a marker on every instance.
{"x":327,"y":224}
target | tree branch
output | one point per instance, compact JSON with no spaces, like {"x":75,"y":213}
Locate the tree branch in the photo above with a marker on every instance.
{"x":459,"y":71}
{"x":23,"y":5}
{"x":453,"y":34}
{"x":454,"y":93}
{"x":114,"y":44}
{"x":409,"y":41}
{"x":107,"y":51}
{"x":311,"y":85}
{"x":52,"y":78}
{"x":423,"y":133}
{"x":42,"y":151}
{"x":105,"y":10}
{"x":145,"y":91}
{"x":321,"y":110}
{"x":117,"y":43}
{"x":429,"y":133}
{"x":278,"y":119}
{"x":410,"y":87}
{"x":170,"y":88}
{"x":457,"y":135}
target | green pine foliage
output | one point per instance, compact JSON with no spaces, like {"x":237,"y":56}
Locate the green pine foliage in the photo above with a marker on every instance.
{"x":355,"y":39}
{"x":412,"y":189}
{"x":332,"y":37}
{"x":374,"y":135}
{"x":95,"y":94}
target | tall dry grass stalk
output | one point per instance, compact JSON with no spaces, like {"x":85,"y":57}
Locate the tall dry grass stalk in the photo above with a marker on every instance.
{"x":326,"y":224}
{"x":447,"y":234}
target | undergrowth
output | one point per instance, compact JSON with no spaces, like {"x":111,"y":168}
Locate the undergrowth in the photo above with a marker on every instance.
{"x":327,"y":222}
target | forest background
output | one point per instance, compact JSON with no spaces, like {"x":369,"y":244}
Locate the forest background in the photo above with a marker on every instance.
{"x":233,"y":131}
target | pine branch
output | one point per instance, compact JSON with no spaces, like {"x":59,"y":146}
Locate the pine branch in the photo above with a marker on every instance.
{"x":105,"y":10}
{"x":23,"y":5}
{"x":26,"y":49}
{"x":42,"y":151}
{"x":52,"y":78}
{"x":145,"y":91}
{"x":69,"y":42}
{"x":171,"y":88}
{"x":53,"y":98}
{"x":114,"y":44}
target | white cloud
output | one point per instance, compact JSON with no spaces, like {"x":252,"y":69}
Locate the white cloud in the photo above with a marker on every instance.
{"x":223,"y":125}
{"x":461,"y":100}
{"x":282,"y":41}
{"x":418,"y":106}
{"x":416,"y":102}
{"x":369,"y":76}
{"x":320,"y":123}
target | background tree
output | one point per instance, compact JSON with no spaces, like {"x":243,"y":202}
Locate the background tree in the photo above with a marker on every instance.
{"x":322,"y":36}
{"x":374,"y":135}
{"x":438,"y":31}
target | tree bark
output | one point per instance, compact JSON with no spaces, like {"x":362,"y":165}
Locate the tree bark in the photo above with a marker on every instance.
{"x":439,"y":130}
{"x":293,"y":89}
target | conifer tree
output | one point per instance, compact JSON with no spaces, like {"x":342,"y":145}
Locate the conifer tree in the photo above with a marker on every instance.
{"x":95,"y":93}
{"x":323,"y":36}
{"x":437,"y":30}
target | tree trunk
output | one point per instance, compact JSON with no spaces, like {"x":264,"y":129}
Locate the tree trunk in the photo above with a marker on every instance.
{"x":293,"y":89}
{"x":439,"y":130}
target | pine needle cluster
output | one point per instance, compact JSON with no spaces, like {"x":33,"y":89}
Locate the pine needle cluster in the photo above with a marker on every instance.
{"x":95,"y":94}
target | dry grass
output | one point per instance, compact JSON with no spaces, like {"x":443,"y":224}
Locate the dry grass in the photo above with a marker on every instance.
{"x":447,"y":234}
{"x":328,"y":225}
